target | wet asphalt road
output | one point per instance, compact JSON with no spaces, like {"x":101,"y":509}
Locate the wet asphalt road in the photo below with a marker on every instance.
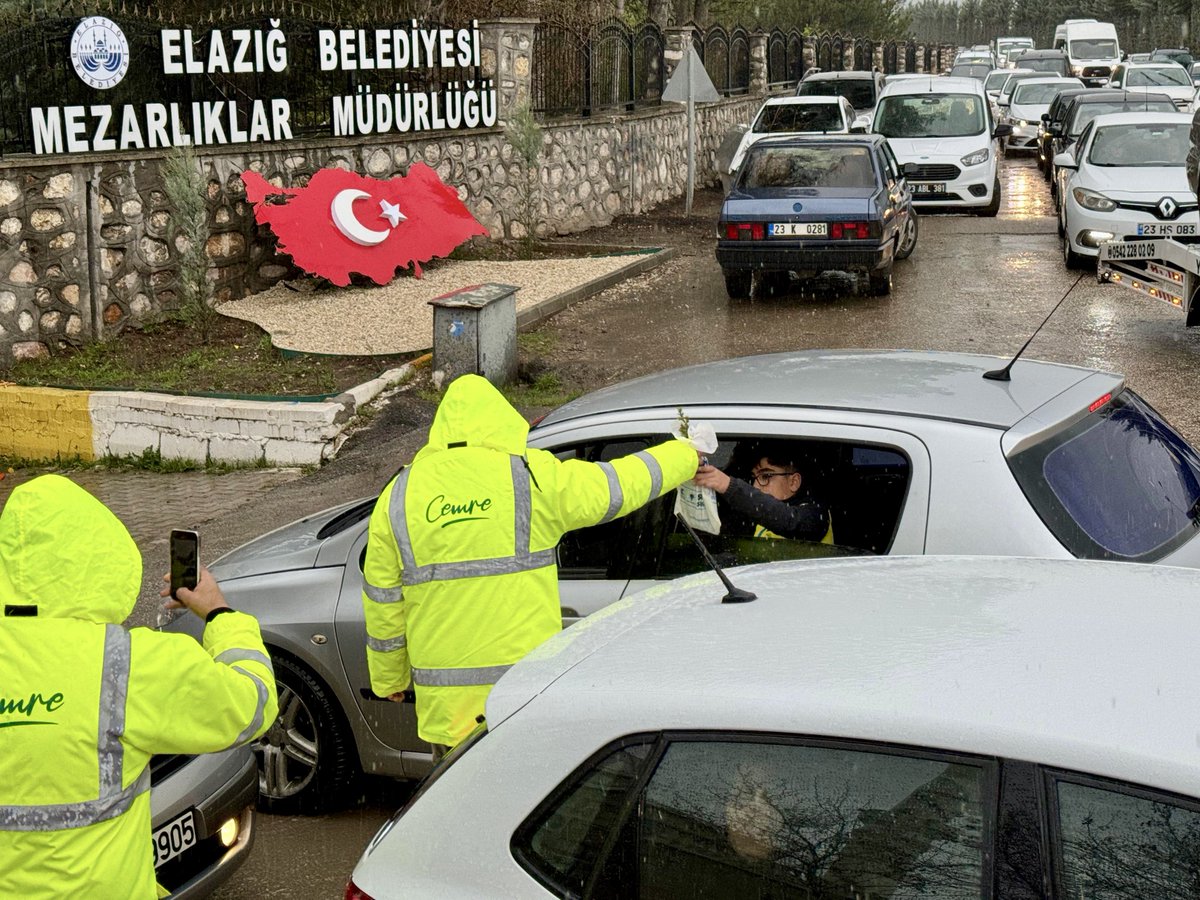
{"x":976,"y":285}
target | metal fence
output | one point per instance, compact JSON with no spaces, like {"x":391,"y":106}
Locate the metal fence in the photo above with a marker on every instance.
{"x":607,"y":67}
{"x":36,"y":70}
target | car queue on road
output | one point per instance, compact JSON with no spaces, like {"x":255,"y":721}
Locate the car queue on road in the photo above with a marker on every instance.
{"x":915,"y":795}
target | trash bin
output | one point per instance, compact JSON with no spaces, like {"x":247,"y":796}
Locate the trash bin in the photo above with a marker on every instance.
{"x":475,"y":331}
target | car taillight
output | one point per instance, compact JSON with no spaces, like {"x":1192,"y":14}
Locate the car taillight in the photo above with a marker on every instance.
{"x":354,"y":892}
{"x":744,"y":231}
{"x":855,"y":230}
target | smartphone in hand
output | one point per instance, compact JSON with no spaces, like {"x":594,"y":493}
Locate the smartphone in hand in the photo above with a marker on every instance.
{"x":185,"y":559}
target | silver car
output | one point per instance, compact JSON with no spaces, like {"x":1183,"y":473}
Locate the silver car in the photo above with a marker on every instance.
{"x":202,"y":818}
{"x":911,"y":452}
{"x":932,"y":727}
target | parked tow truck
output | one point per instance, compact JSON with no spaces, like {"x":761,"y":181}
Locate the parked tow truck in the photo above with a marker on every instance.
{"x":1164,"y":269}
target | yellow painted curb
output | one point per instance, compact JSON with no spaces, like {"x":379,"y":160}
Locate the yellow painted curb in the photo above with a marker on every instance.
{"x":45,"y":423}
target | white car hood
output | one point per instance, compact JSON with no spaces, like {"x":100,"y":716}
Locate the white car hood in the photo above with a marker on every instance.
{"x":1128,"y":183}
{"x":1175,"y":92}
{"x":918,"y":149}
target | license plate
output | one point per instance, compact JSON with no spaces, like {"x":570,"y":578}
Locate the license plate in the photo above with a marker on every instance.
{"x":172,"y":839}
{"x":1166,"y":229}
{"x":798,"y":229}
{"x":929,"y":188}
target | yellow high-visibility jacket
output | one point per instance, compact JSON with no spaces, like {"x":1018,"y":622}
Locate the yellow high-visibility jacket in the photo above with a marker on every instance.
{"x":85,"y":702}
{"x":460,"y":579}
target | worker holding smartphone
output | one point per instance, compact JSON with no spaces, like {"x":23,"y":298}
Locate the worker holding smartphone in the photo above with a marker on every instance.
{"x":87,"y":702}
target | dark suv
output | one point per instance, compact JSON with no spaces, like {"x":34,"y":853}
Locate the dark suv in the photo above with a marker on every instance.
{"x":1054,"y":61}
{"x":860,"y":88}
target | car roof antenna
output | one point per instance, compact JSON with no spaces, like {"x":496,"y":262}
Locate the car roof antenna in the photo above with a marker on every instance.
{"x":1002,"y":374}
{"x":736,"y":594}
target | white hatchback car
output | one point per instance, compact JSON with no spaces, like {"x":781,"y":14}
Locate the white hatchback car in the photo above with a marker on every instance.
{"x":944,"y":127}
{"x":1030,"y":99}
{"x":1171,"y":79}
{"x":944,"y":728}
{"x":1125,"y":178}
{"x":782,"y":116}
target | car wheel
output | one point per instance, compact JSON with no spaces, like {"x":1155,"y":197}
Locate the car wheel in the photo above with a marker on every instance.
{"x":993,"y":208}
{"x":908,"y":236}
{"x":880,"y":282}
{"x":1072,"y":259}
{"x":737,"y":284}
{"x":306,"y":758}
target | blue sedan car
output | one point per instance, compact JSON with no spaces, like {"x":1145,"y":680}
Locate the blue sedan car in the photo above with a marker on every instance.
{"x":809,"y":204}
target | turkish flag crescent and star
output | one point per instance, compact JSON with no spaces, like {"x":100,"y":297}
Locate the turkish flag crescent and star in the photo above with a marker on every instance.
{"x":343,"y":222}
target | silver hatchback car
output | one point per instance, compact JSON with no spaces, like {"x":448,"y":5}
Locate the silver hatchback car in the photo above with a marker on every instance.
{"x":911,"y":452}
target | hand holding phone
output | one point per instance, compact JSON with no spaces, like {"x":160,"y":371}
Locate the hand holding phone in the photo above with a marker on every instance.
{"x":185,"y":560}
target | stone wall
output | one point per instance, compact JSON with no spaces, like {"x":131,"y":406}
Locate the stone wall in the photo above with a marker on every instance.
{"x":87,"y":244}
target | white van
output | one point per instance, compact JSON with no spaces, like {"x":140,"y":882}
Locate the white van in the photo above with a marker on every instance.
{"x":943,"y":126}
{"x":1091,"y":47}
{"x":1003,"y":44}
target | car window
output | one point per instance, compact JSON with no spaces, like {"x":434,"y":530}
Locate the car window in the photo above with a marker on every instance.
{"x":1172,"y":76}
{"x":1035,"y":93}
{"x":792,"y":117}
{"x":1085,"y":112}
{"x":859,"y":91}
{"x":1143,"y":144}
{"x":893,"y":163}
{"x":824,"y":167}
{"x":1120,"y":484}
{"x":862,"y":486}
{"x":562,"y":842}
{"x":995,"y":81}
{"x":730,"y":817}
{"x":930,"y":115}
{"x":1096,"y":48}
{"x":1113,"y":845}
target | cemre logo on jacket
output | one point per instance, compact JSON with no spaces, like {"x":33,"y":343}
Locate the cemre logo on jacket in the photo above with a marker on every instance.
{"x":27,"y":706}
{"x":100,"y":52}
{"x":442,"y":512}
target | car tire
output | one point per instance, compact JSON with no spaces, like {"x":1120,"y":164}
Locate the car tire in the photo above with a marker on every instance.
{"x":306,"y":759}
{"x":879,"y":282}
{"x":907,"y":241}
{"x":1072,"y":259}
{"x":992,"y":209}
{"x":737,"y":283}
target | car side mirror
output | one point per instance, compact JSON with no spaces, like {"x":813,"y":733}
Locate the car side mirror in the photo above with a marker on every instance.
{"x":910,"y":170}
{"x":1065,"y":161}
{"x":1002,"y":130}
{"x":1046,"y":117}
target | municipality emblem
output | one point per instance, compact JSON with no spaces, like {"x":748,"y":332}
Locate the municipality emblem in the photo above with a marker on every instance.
{"x":100,"y":52}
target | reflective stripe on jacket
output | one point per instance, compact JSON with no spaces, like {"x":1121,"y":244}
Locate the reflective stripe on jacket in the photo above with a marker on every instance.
{"x":85,"y":703}
{"x":460,"y":579}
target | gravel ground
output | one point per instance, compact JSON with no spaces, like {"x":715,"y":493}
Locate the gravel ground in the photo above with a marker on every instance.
{"x":397,"y":317}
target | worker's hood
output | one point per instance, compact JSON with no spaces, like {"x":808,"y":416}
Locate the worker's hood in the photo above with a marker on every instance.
{"x":474,"y":414}
{"x":64,"y":552}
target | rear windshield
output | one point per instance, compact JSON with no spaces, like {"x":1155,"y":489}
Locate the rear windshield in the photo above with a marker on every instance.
{"x":1143,"y":144}
{"x":791,"y":117}
{"x":859,"y":91}
{"x":1085,"y":112}
{"x":995,"y":81}
{"x":930,"y":115}
{"x":971,"y":71}
{"x":784,"y":167}
{"x":1120,"y":484}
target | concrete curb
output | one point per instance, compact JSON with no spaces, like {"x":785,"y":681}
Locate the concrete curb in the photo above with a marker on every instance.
{"x":40,"y":423}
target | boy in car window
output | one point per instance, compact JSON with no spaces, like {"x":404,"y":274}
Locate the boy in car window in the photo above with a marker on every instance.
{"x":773,"y":500}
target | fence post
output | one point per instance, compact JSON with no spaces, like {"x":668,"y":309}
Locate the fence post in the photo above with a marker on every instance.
{"x":676,"y":41}
{"x":877,"y":61}
{"x":920,"y":58}
{"x":506,"y":56}
{"x":759,"y":78}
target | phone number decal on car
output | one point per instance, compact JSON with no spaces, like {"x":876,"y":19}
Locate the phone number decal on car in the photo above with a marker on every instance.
{"x":173,"y":838}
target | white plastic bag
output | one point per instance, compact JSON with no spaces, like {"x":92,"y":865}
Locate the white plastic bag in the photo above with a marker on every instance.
{"x":697,"y":505}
